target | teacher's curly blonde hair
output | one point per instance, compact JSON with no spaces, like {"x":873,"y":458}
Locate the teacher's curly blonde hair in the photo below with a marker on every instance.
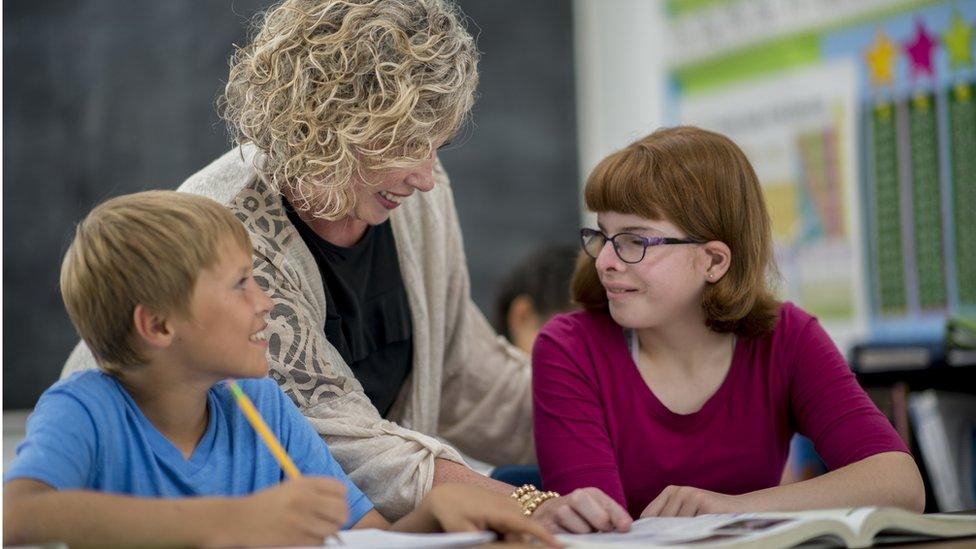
{"x":329,"y":89}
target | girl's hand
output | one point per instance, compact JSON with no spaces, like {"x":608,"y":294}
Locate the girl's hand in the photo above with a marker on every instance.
{"x":464,"y":508}
{"x":686,"y":501}
{"x":581,"y":511}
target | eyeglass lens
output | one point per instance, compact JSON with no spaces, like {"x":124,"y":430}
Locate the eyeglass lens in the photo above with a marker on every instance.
{"x":629,"y":247}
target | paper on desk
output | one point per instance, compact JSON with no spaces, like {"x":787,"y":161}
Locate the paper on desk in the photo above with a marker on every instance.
{"x":371,"y":538}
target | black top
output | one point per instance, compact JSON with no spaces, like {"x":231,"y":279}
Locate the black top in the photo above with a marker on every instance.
{"x":368,"y":317}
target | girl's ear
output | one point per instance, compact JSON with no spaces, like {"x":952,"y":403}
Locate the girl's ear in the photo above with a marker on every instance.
{"x":718,"y":257}
{"x":151,"y":328}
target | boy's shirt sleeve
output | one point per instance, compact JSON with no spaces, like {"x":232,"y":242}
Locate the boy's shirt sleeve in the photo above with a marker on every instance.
{"x":312,"y":457}
{"x":60,"y":445}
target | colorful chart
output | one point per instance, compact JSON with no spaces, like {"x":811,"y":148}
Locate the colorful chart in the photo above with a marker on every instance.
{"x":870,"y":178}
{"x":919,"y":138}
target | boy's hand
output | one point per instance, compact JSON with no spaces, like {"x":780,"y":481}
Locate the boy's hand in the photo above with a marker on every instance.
{"x":687,"y":501}
{"x":302,"y":511}
{"x":464,"y":508}
{"x":582,"y":511}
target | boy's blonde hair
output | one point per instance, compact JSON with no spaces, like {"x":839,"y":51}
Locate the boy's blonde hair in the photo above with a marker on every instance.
{"x":145,"y":248}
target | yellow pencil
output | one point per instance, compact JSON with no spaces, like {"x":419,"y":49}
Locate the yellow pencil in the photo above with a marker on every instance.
{"x":254,"y":418}
{"x":271,"y":441}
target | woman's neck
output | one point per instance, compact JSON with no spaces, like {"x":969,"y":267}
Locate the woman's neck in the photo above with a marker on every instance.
{"x":342,"y":232}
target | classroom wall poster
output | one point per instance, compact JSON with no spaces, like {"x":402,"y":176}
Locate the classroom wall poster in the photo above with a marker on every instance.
{"x":798,"y":130}
{"x":863,"y":134}
{"x":917,"y":116}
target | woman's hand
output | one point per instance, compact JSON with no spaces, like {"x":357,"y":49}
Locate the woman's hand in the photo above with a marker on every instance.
{"x":464,"y":508}
{"x":686,"y":501}
{"x":581,"y":511}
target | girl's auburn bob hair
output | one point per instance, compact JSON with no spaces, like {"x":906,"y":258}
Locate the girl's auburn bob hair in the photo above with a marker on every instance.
{"x":702,"y":182}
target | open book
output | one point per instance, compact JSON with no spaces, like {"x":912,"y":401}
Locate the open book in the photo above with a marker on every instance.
{"x":861,"y":527}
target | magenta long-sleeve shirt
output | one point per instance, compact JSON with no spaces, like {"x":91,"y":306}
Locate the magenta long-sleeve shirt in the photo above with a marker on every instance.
{"x":598,"y":424}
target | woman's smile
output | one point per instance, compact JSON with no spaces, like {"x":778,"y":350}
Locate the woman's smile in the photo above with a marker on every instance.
{"x":390,"y":200}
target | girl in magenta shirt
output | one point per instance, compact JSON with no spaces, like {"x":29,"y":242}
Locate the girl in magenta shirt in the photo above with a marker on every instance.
{"x":677,"y":389}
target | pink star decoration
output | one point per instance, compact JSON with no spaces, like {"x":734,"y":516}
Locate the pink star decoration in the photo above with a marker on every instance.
{"x":920,"y":51}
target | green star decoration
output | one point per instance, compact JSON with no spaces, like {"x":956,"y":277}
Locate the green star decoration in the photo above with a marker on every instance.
{"x":956,"y":40}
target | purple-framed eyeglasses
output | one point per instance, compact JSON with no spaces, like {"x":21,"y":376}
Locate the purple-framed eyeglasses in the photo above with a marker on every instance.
{"x":629,"y":247}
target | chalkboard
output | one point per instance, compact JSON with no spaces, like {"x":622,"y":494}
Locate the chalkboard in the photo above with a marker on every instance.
{"x":108,"y":97}
{"x":516,"y":179}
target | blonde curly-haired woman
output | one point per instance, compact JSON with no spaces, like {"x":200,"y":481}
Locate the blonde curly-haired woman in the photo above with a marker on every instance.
{"x":338,"y":108}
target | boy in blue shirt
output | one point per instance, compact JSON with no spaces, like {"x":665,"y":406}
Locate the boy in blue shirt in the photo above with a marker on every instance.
{"x":152,"y":450}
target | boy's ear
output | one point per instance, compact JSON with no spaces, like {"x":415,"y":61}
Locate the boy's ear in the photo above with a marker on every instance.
{"x":523,"y":322}
{"x":152,"y":328}
{"x":718,"y":258}
{"x":522,"y":313}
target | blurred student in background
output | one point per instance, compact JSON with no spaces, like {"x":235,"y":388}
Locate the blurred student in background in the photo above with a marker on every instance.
{"x":535,"y":290}
{"x":532,"y":293}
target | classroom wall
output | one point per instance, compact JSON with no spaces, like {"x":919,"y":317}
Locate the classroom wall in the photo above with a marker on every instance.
{"x":105,"y":97}
{"x":621,"y":60}
{"x":857,"y":116}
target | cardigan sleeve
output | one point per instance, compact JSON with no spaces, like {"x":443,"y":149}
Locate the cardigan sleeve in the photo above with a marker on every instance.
{"x":486,"y":406}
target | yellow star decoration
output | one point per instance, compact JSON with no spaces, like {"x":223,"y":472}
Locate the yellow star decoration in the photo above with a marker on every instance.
{"x":956,"y":40}
{"x":881,"y":60}
{"x":963,"y":93}
{"x":921,"y":102}
{"x":883,"y":111}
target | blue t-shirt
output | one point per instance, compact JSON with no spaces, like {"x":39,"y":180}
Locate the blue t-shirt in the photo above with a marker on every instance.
{"x":87,"y":433}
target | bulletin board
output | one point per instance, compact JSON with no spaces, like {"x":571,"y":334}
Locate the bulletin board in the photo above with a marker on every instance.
{"x":860,"y":119}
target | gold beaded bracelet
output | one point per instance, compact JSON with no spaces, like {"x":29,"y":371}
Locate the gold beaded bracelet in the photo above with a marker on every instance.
{"x":530,"y":498}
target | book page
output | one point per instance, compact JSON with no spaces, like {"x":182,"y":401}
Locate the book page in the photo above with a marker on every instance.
{"x":677,"y":530}
{"x":890,"y":524}
{"x":854,"y":517}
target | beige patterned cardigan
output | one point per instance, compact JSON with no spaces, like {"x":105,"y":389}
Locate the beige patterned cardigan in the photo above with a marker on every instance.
{"x":467,"y":385}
